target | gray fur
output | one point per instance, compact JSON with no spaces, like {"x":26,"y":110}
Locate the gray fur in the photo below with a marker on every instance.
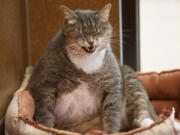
{"x":55,"y":74}
{"x":136,"y":100}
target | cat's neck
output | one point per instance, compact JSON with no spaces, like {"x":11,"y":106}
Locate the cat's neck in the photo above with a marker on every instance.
{"x":91,"y":63}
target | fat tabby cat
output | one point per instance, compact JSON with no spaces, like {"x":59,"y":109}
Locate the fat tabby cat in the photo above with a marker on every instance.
{"x":77,"y":84}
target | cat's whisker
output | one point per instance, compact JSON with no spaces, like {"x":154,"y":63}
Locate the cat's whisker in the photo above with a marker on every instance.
{"x":128,"y":30}
{"x":125,"y":43}
{"x":114,"y":46}
{"x":63,"y":50}
{"x":116,"y":37}
{"x":68,"y":48}
{"x":111,"y":40}
{"x":117,"y":40}
{"x":113,"y":43}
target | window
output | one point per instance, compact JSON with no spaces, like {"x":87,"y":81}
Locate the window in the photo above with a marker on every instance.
{"x":159,"y":34}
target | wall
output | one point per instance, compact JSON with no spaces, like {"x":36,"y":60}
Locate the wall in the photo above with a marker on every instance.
{"x":46,"y":19}
{"x":13,"y":50}
{"x":160,"y":34}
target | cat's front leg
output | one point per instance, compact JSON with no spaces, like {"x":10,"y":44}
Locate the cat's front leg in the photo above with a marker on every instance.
{"x":44,"y":107}
{"x":111,"y":110}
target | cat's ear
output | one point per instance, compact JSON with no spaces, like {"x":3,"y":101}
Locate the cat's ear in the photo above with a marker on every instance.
{"x":103,"y":14}
{"x":69,"y":16}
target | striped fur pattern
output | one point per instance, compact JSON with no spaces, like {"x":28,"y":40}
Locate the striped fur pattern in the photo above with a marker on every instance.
{"x":137,"y":104}
{"x":77,"y":84}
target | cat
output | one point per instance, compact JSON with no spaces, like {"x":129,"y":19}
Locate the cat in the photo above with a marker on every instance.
{"x":77,"y":84}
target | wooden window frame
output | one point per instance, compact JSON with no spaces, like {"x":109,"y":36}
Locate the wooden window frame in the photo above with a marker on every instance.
{"x":129,"y":33}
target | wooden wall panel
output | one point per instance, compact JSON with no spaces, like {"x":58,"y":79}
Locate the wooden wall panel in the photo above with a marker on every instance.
{"x":46,"y":19}
{"x":13,"y":50}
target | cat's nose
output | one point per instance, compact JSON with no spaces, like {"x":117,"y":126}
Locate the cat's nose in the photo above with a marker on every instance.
{"x":91,"y":43}
{"x":91,"y":48}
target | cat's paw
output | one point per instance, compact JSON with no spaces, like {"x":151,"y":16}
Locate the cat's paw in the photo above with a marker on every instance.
{"x":95,"y":132}
{"x":146,"y":122}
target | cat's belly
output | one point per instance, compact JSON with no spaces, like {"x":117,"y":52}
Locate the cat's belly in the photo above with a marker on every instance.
{"x":79,"y":110}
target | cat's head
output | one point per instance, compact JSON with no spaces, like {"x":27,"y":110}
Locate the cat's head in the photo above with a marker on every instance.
{"x":86,"y":31}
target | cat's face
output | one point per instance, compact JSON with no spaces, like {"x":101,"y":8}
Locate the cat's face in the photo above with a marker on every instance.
{"x":86,"y":31}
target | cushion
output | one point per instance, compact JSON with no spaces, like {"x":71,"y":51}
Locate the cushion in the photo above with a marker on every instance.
{"x":19,"y":119}
{"x":163,"y":89}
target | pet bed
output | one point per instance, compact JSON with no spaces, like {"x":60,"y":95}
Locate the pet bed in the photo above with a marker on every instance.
{"x":19,"y":119}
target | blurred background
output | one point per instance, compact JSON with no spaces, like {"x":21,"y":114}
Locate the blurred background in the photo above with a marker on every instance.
{"x":146,"y":35}
{"x":159,"y":34}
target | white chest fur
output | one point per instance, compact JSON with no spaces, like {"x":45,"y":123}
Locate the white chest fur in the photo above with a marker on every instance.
{"x":91,"y":63}
{"x":79,"y":103}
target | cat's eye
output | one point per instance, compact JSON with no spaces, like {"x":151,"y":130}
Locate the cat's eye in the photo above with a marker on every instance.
{"x":98,"y":33}
{"x":76,"y":29}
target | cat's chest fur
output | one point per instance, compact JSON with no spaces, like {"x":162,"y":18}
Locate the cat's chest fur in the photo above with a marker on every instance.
{"x":91,"y":63}
{"x":78,"y":104}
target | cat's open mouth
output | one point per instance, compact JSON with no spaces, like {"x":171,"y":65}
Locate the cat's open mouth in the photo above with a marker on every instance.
{"x":88,"y":50}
